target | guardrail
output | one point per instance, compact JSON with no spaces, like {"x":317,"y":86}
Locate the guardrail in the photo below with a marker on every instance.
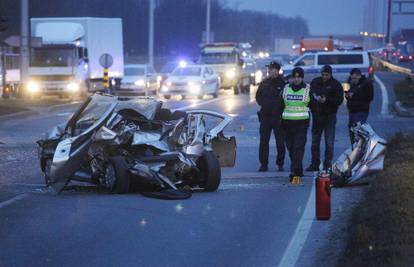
{"x":380,"y":62}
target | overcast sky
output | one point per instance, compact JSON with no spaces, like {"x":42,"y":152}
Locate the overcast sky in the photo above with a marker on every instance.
{"x":323,"y":16}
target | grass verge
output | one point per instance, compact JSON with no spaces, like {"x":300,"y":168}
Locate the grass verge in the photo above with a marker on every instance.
{"x":382,"y":226}
{"x":404,"y":92}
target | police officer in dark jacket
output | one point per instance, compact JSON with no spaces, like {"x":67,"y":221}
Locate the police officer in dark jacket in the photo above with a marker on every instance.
{"x":268,"y":96}
{"x":359,"y":97}
{"x":327,"y":95}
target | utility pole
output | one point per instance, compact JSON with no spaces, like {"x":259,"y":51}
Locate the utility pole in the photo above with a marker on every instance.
{"x":24,"y":41}
{"x":151,"y":34}
{"x":389,"y":21}
{"x":208,"y":22}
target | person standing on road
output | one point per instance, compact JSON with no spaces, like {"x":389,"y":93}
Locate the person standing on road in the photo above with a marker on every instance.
{"x":295,"y":119}
{"x":327,"y":95}
{"x":359,"y":97}
{"x":269,"y":96}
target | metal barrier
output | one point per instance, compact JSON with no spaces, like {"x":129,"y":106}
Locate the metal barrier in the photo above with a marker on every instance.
{"x":380,"y":62}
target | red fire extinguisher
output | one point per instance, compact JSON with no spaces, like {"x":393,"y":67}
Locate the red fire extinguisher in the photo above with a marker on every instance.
{"x":323,"y":196}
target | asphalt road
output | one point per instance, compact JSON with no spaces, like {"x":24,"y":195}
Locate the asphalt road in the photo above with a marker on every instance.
{"x":250,"y":221}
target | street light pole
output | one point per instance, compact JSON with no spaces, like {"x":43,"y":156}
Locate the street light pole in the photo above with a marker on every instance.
{"x":151,"y":34}
{"x":389,"y":21}
{"x":24,"y":41}
{"x":208,"y":22}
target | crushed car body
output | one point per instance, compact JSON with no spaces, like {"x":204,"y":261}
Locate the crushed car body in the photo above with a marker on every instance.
{"x":119,"y":143}
{"x":364,"y":157}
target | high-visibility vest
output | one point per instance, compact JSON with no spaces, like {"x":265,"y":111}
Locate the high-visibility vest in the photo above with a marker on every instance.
{"x":296,"y":103}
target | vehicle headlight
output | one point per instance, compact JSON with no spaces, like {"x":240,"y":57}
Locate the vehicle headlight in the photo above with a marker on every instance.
{"x":73,"y":86}
{"x":159,"y":78}
{"x":164,"y":89}
{"x":33,"y":87}
{"x":139,"y":83}
{"x":195,"y":88}
{"x":281,"y":72}
{"x":169,"y":83}
{"x":231,"y":74}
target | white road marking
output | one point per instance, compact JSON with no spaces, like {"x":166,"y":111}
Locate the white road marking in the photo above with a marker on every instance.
{"x":297,"y":242}
{"x":12,"y":200}
{"x":384,"y":93}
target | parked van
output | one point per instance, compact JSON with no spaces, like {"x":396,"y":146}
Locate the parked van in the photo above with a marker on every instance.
{"x":341,"y":62}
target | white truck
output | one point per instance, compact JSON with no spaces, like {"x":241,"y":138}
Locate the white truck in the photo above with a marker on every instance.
{"x":67,"y":63}
{"x":227,"y":60}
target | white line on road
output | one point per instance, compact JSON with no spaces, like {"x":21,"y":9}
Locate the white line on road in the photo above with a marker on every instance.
{"x":12,"y":200}
{"x":297,"y":242}
{"x":384,"y":93}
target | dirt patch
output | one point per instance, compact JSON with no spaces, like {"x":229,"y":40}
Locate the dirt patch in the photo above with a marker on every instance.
{"x":404,"y":92}
{"x":382,"y":227}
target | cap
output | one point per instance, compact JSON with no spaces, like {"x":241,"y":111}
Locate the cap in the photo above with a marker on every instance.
{"x":273,"y":65}
{"x":298,"y":72}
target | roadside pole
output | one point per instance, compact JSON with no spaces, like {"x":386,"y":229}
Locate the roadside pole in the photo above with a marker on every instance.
{"x":6,"y":90}
{"x":24,"y":42}
{"x":151,"y":34}
{"x":208,"y":22}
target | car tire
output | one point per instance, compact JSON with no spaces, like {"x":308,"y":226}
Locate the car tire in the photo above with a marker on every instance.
{"x":210,"y":171}
{"x":236,"y":90}
{"x":167,"y":96}
{"x":215,"y":95}
{"x":122,"y":178}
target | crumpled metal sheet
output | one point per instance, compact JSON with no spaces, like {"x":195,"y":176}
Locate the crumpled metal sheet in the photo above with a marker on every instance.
{"x":145,"y":106}
{"x":365,"y":157}
{"x":151,"y":139}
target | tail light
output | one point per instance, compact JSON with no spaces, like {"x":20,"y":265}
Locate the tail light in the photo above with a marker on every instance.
{"x":371,"y":71}
{"x":401,"y":57}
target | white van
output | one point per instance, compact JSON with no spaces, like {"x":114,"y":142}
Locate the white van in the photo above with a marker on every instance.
{"x":341,"y":62}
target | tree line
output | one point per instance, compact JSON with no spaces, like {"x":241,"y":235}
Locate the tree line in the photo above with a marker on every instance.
{"x":178,"y":23}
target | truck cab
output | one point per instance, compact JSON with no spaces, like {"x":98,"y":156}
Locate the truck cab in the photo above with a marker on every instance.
{"x":226,"y":60}
{"x":67,"y":62}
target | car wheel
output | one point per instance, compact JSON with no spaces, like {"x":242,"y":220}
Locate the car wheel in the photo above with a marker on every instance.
{"x":116,"y":176}
{"x":167,"y":96}
{"x":236,"y":90}
{"x":210,"y":171}
{"x":215,"y":95}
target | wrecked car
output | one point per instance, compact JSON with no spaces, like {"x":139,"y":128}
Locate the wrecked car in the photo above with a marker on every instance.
{"x":364,"y":157}
{"x":117,"y":143}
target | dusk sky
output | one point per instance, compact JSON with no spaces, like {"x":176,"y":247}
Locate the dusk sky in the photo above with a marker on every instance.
{"x":323,"y":16}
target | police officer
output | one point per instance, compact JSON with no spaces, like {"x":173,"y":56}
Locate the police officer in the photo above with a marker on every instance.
{"x":269,"y":96}
{"x":326,"y":96}
{"x":295,"y":119}
{"x":359,"y":97}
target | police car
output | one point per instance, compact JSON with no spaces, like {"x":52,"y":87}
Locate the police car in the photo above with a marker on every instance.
{"x":341,"y":62}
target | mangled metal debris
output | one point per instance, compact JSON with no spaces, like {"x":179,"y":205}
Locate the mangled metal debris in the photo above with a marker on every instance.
{"x":365,"y":157}
{"x":120,"y":143}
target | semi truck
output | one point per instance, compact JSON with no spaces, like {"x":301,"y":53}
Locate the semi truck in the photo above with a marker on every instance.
{"x":67,"y":62}
{"x":226,"y":60}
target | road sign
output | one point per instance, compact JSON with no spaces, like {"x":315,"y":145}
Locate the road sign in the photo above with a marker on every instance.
{"x":14,"y":41}
{"x":106,"y":60}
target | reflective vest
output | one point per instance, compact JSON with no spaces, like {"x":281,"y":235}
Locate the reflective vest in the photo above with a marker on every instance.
{"x":296,"y":103}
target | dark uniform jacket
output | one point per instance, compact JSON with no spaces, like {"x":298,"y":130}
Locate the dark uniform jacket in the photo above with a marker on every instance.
{"x":363,"y":95}
{"x":269,"y":96}
{"x":332,"y":90}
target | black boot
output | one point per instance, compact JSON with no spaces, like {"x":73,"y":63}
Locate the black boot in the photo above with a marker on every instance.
{"x":312,"y":168}
{"x":263,"y":168}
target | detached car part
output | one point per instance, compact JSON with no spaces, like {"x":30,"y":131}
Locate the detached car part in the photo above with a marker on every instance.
{"x":365,"y":157}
